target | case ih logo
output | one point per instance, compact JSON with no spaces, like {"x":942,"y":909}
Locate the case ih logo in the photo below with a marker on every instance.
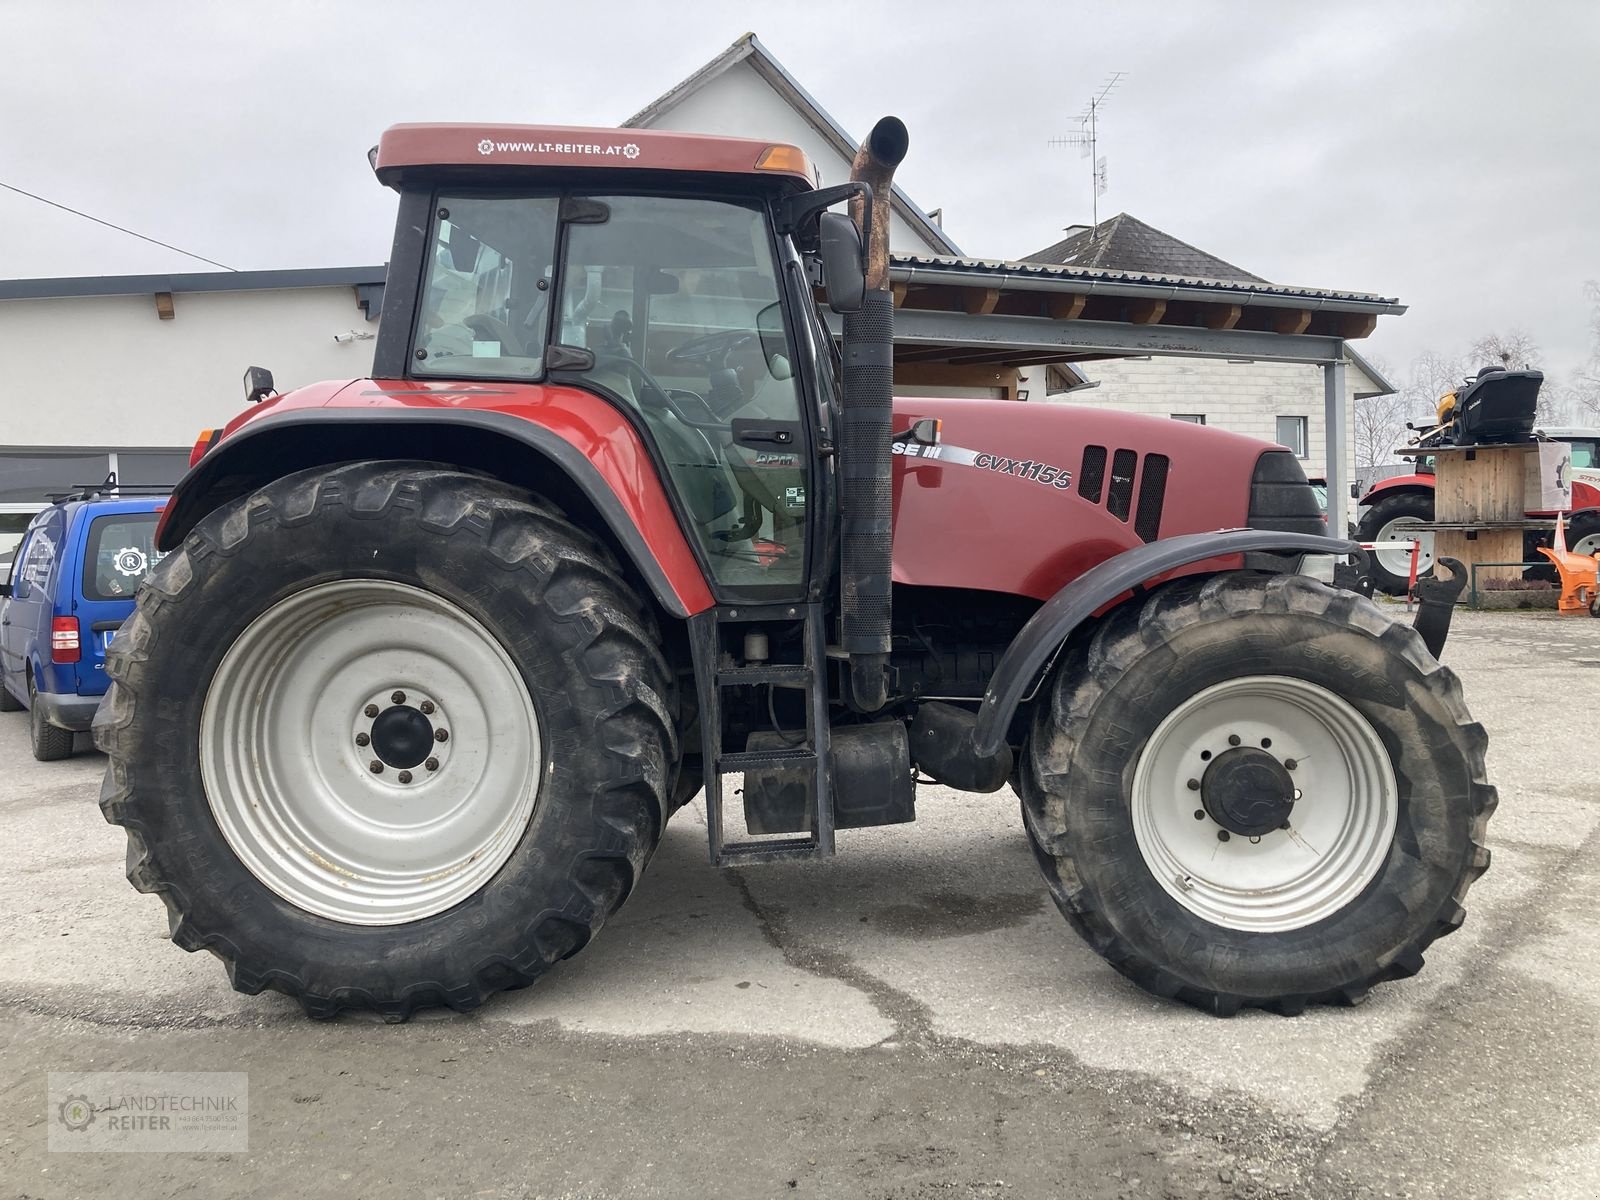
{"x":625,"y":150}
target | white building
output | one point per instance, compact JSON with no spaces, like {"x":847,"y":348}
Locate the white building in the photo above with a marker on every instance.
{"x":120,"y":373}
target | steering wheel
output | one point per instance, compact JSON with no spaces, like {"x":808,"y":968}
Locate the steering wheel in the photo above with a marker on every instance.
{"x":712,"y":348}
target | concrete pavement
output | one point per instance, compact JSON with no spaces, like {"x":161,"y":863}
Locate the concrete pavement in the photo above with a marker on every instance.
{"x":913,"y":1018}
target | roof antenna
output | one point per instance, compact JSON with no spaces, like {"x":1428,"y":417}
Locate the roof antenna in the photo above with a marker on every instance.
{"x":1086,"y":139}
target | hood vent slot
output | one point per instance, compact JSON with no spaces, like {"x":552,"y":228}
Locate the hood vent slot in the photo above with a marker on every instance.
{"x":1119,"y":496}
{"x":1152,"y":495}
{"x":1092,"y":475}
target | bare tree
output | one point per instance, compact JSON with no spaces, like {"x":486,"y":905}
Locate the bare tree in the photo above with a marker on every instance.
{"x":1378,"y":424}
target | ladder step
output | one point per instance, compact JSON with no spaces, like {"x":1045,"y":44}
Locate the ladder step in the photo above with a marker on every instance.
{"x":783,"y":673}
{"x":745,"y":760}
{"x":776,"y":850}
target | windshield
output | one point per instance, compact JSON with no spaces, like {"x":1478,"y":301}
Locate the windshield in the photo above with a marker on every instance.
{"x":677,"y":300}
{"x":120,"y":552}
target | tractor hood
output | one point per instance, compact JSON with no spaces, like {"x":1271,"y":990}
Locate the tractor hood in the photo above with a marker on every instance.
{"x":1023,"y":498}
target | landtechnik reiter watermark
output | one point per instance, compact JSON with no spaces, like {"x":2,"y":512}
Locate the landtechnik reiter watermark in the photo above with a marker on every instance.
{"x":148,"y":1111}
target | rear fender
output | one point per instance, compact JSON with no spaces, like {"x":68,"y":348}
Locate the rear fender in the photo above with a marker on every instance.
{"x":1069,"y":608}
{"x":627,"y":508}
{"x":1400,"y":483}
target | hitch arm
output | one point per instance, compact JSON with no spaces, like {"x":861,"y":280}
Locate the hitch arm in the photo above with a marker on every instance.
{"x":1436,"y":604}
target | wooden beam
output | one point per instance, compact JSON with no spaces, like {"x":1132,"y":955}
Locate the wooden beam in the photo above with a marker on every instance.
{"x":1221,"y":316}
{"x":1067,"y":306}
{"x":164,"y":308}
{"x":1146,"y":312}
{"x":980,"y":302}
{"x":1357,"y":325}
{"x":1291,"y":320}
{"x":945,"y":375}
{"x":899,"y":290}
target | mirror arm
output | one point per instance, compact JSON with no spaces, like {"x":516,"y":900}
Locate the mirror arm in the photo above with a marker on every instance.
{"x":798,"y":211}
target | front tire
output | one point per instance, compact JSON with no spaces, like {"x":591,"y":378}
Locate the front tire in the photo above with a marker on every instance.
{"x":387,"y":736}
{"x":1320,"y":737}
{"x":1389,"y":520}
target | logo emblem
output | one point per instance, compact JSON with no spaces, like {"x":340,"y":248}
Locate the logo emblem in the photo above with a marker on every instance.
{"x":630,"y":151}
{"x":486,"y":147}
{"x":131,"y":561}
{"x":77,"y":1114}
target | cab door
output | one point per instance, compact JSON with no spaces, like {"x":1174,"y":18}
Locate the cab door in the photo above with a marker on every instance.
{"x":26,"y":627}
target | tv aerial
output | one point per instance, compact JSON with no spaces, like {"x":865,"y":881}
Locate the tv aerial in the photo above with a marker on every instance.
{"x":1087,"y":139}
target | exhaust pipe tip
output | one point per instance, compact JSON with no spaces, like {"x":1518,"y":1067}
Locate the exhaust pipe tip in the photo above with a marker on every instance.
{"x":889,"y":141}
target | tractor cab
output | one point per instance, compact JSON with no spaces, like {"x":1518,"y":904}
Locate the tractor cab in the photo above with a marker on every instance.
{"x":660,"y":271}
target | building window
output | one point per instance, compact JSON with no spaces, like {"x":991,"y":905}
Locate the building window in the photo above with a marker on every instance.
{"x":1192,"y":418}
{"x":1292,"y":433}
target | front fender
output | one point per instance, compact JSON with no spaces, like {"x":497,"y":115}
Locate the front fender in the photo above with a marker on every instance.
{"x":1048,"y":628}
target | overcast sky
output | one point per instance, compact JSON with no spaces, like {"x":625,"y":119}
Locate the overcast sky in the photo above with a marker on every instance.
{"x":1444,"y":153}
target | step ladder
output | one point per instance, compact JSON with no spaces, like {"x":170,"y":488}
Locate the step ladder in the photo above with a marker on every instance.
{"x":716,"y":674}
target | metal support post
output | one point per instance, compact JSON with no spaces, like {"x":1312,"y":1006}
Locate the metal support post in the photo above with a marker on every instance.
{"x":1336,"y":443}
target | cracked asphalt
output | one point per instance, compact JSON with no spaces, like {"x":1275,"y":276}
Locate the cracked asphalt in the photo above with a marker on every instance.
{"x":911,"y":1019}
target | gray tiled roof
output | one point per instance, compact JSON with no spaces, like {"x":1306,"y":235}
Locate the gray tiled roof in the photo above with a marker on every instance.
{"x":1125,"y":243}
{"x":923,"y":268}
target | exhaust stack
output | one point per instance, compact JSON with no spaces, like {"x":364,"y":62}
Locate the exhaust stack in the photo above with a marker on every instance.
{"x":865,"y":461}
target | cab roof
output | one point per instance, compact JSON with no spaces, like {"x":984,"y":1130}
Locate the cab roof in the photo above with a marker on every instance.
{"x":408,"y":147}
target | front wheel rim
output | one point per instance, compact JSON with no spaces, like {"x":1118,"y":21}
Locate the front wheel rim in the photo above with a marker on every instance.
{"x":1588,"y":544}
{"x":370,"y":752}
{"x":1340,"y":828}
{"x":1398,"y":562}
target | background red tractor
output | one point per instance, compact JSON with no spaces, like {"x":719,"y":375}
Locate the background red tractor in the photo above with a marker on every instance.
{"x":436,"y":654}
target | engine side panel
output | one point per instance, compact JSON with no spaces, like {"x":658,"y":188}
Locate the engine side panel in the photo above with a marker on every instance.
{"x":1024,"y":498}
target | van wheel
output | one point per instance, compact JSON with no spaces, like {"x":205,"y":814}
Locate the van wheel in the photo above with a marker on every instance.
{"x":1257,"y":792}
{"x":50,"y":743}
{"x":387,"y":736}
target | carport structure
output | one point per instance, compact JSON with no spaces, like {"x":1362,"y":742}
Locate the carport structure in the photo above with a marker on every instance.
{"x":956,"y":314}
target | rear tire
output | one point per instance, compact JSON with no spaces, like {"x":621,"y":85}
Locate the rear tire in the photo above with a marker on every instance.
{"x":487,"y":576}
{"x":50,"y":743}
{"x":1386,"y":521}
{"x":1583,"y":533}
{"x":1388,"y":783}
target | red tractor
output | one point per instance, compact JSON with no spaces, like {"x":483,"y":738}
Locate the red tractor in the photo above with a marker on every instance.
{"x":436,"y":654}
{"x":1398,"y":503}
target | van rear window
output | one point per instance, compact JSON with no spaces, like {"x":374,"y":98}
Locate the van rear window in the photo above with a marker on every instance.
{"x":119,"y":554}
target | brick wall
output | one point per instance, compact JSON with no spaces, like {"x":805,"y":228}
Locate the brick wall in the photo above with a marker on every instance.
{"x":1241,"y":397}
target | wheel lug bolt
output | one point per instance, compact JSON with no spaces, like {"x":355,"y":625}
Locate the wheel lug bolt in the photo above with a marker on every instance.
{"x":432,"y":764}
{"x":1233,"y":739}
{"x":1266,"y":743}
{"x":398,"y":697}
{"x":1194,"y":785}
{"x":404,"y":777}
{"x":1199,"y":814}
{"x":1289,"y":764}
{"x":362,"y":739}
{"x":426,"y":706}
{"x":375,"y":767}
{"x":1284,"y":826}
{"x":371,"y":710}
{"x":1223,"y":835}
{"x":441,"y":735}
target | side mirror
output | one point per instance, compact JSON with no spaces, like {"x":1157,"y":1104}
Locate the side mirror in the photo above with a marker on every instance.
{"x":842,"y":273}
{"x":257,"y":385}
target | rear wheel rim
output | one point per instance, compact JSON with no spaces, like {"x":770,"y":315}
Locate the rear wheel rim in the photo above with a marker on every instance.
{"x":1341,"y":825}
{"x":1398,"y":562}
{"x":370,"y":752}
{"x":1588,"y":544}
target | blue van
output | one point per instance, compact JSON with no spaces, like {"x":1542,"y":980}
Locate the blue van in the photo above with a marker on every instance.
{"x":70,"y":588}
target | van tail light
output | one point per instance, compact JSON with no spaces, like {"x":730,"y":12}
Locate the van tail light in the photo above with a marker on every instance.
{"x":64,"y":645}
